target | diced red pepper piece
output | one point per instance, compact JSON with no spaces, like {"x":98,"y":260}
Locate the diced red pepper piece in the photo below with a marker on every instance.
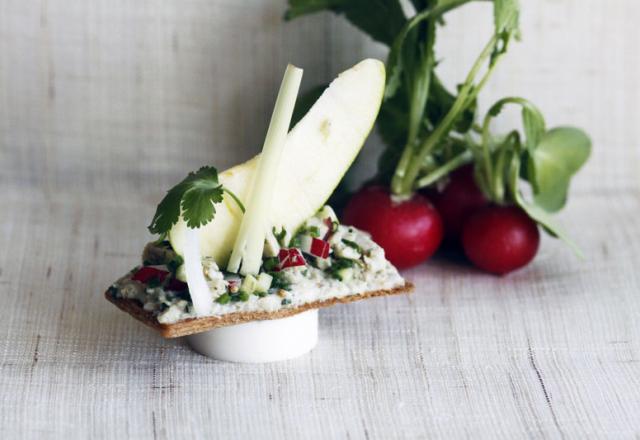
{"x":290,"y":258}
{"x":147,"y":273}
{"x":320,"y":248}
{"x":315,"y":246}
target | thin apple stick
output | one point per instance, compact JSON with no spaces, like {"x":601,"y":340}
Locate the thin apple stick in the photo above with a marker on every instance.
{"x":249,"y":244}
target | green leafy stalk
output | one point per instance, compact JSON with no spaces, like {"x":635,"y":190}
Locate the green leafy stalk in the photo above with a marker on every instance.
{"x":407,"y":172}
{"x":407,"y":47}
{"x":418,"y":79}
{"x":440,"y":172}
{"x":506,"y":27}
{"x":552,"y":157}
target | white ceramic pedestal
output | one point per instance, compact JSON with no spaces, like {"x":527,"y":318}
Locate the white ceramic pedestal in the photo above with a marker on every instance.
{"x":260,"y":341}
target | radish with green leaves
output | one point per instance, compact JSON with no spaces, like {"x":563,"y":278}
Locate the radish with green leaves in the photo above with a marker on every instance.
{"x":430,"y":133}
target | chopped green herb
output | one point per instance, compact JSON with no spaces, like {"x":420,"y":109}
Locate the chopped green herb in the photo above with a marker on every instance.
{"x":224,"y":298}
{"x":285,"y":302}
{"x":352,"y":244}
{"x":279,"y":281}
{"x":338,"y":265}
{"x":296,"y":242}
{"x":243,"y":296}
{"x":269,"y":264}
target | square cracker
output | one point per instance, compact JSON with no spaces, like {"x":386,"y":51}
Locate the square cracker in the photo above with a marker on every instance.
{"x":198,"y":325}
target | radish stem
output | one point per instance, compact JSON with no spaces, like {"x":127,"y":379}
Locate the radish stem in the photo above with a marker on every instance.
{"x":464,"y":99}
{"x":445,"y":169}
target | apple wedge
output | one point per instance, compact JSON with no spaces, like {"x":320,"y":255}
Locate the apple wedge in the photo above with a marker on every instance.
{"x":318,"y":152}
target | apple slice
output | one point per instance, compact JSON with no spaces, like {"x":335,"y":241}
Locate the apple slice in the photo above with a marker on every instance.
{"x":318,"y":152}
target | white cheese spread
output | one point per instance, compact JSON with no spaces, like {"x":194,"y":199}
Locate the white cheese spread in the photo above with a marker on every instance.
{"x":368,"y":270}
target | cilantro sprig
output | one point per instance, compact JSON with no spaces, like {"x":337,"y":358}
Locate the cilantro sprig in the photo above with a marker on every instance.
{"x":195,"y":198}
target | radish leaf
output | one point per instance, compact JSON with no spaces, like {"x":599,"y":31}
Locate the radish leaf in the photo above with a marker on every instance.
{"x":380,"y":19}
{"x":535,"y":212}
{"x":506,"y":16}
{"x":553,"y":162}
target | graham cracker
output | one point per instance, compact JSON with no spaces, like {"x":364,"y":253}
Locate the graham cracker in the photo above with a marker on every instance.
{"x":198,"y":325}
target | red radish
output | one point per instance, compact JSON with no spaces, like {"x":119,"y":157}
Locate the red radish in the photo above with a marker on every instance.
{"x":459,"y":199}
{"x":500,"y":239}
{"x":315,"y":246}
{"x":147,"y":273}
{"x":409,"y":231}
{"x":290,"y":258}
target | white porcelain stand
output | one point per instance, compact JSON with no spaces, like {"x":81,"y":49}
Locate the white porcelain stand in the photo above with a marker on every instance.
{"x":260,"y":341}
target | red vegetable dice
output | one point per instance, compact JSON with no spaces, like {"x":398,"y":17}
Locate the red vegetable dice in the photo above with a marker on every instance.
{"x":320,"y":248}
{"x":147,"y":273}
{"x":315,"y":246}
{"x":290,"y":258}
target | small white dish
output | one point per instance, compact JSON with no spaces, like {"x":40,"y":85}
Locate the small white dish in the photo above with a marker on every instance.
{"x":260,"y":341}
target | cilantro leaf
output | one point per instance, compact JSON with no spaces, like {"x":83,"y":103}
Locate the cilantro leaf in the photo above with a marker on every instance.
{"x":198,"y":202}
{"x":194,"y":197}
{"x":168,"y":211}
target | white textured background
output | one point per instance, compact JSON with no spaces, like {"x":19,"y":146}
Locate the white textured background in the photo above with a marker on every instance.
{"x":105,"y":103}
